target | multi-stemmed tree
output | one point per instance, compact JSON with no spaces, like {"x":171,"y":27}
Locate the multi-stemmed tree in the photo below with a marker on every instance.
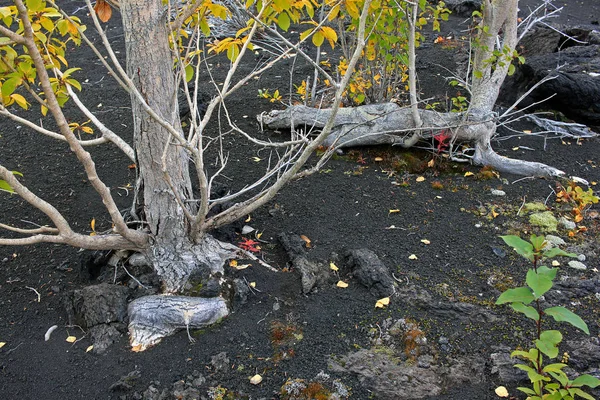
{"x":163,"y":54}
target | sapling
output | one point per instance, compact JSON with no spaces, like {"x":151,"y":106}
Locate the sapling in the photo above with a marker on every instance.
{"x":549,"y":382}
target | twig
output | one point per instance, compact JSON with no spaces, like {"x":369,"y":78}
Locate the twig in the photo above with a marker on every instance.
{"x":522,"y":205}
{"x":39,"y":297}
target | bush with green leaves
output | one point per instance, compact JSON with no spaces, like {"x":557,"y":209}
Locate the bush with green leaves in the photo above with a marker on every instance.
{"x":549,"y":382}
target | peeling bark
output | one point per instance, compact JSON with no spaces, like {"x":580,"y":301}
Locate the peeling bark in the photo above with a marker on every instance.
{"x":153,"y":317}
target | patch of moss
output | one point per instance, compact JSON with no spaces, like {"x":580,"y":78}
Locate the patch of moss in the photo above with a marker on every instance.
{"x":546,"y":221}
{"x":535,"y":206}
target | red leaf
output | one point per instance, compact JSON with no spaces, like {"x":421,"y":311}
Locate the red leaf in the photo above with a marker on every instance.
{"x":249,"y":245}
{"x":441,"y":141}
{"x":103,"y":10}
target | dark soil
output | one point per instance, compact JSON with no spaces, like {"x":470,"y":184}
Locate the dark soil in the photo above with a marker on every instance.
{"x":347,"y":206}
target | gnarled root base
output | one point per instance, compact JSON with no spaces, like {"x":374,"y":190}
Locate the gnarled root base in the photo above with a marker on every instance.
{"x":153,"y":317}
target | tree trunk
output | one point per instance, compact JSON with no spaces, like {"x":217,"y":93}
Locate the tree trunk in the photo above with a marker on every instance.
{"x":172,"y":253}
{"x":150,"y":65}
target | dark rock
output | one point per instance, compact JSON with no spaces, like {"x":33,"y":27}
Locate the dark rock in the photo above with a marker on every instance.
{"x":503,"y":365}
{"x":572,"y":288}
{"x":126,"y":382}
{"x":220,"y":362}
{"x":312,"y":273}
{"x":370,"y":271}
{"x":104,"y":335}
{"x":576,"y":89}
{"x":463,"y":8}
{"x":585,"y":354}
{"x":98,"y":304}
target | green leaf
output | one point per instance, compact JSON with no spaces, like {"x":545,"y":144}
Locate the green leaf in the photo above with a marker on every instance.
{"x":189,"y":72}
{"x":318,"y":38}
{"x":529,"y":311}
{"x":562,"y":314}
{"x":284,"y":21}
{"x":9,"y":86}
{"x":585,"y":380}
{"x":538,"y":242}
{"x":548,"y":342}
{"x":555,"y":251}
{"x":521,"y":294}
{"x":581,"y":393}
{"x":4,"y":186}
{"x":540,"y":281}
{"x":556,"y":367}
{"x":521,"y":246}
{"x":526,"y":390}
{"x":511,"y":70}
{"x":35,"y":5}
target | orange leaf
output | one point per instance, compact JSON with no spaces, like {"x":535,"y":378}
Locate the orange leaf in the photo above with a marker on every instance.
{"x":306,"y":239}
{"x":103,"y":10}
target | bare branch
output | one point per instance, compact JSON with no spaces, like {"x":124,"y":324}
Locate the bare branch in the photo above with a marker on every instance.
{"x":43,"y":229}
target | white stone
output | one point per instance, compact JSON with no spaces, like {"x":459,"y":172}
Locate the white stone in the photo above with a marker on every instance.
{"x":497,"y":192}
{"x":555,"y":241}
{"x":570,"y":225}
{"x":577,"y":265}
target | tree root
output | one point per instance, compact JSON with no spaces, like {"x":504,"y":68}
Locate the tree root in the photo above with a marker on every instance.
{"x":152,"y":318}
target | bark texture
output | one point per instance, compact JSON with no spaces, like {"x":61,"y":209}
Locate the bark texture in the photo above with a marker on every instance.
{"x":153,"y":317}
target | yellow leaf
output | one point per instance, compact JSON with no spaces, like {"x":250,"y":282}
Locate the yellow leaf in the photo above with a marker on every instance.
{"x":248,"y":219}
{"x":93,"y":224}
{"x":420,"y":179}
{"x":431,"y":163}
{"x":240,"y":267}
{"x":256,"y":379}
{"x":382,"y":303}
{"x":425,"y":241}
{"x":469,"y":174}
{"x":378,"y":159}
{"x":256,"y":159}
{"x":342,"y":284}
{"x":501,"y":391}
{"x":555,"y":263}
{"x":593,"y":183}
{"x":526,"y":131}
{"x":333,"y":267}
{"x":253,"y":284}
{"x":413,"y":257}
{"x":515,"y":148}
{"x":394,"y":211}
{"x":2,"y":344}
{"x":258,"y":235}
{"x":233,"y":263}
{"x":71,"y":339}
{"x":90,"y":348}
{"x":494,"y":213}
{"x":306,"y":239}
{"x":137,"y":348}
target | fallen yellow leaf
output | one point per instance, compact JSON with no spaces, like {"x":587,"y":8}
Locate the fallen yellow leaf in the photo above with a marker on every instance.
{"x":90,"y":348}
{"x":501,"y":391}
{"x":593,"y":183}
{"x":469,"y":173}
{"x":253,"y":284}
{"x":256,"y":379}
{"x":333,"y":267}
{"x":342,"y":284}
{"x":93,"y":224}
{"x":71,"y":339}
{"x":494,"y":213}
{"x":526,"y":131}
{"x":555,"y":263}
{"x":233,"y":263}
{"x":413,"y":257}
{"x":394,"y":211}
{"x":515,"y":148}
{"x":240,"y":267}
{"x":248,"y":219}
{"x":378,"y":159}
{"x":137,"y":348}
{"x":431,"y":163}
{"x":258,"y":235}
{"x":420,"y":179}
{"x":306,"y":239}
{"x":382,"y":303}
{"x":2,"y":344}
{"x":425,"y":241}
{"x":256,"y":159}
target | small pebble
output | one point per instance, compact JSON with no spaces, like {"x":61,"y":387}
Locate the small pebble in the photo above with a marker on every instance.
{"x":497,"y":192}
{"x":577,"y":265}
{"x":581,"y":257}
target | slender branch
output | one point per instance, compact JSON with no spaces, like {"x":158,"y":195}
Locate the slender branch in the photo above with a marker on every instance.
{"x":42,"y":229}
{"x":83,"y":156}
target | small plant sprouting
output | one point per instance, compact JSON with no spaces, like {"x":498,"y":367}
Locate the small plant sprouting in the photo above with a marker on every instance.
{"x":549,"y":382}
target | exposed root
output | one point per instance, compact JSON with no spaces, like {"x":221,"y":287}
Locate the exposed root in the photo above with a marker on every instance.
{"x":152,"y":318}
